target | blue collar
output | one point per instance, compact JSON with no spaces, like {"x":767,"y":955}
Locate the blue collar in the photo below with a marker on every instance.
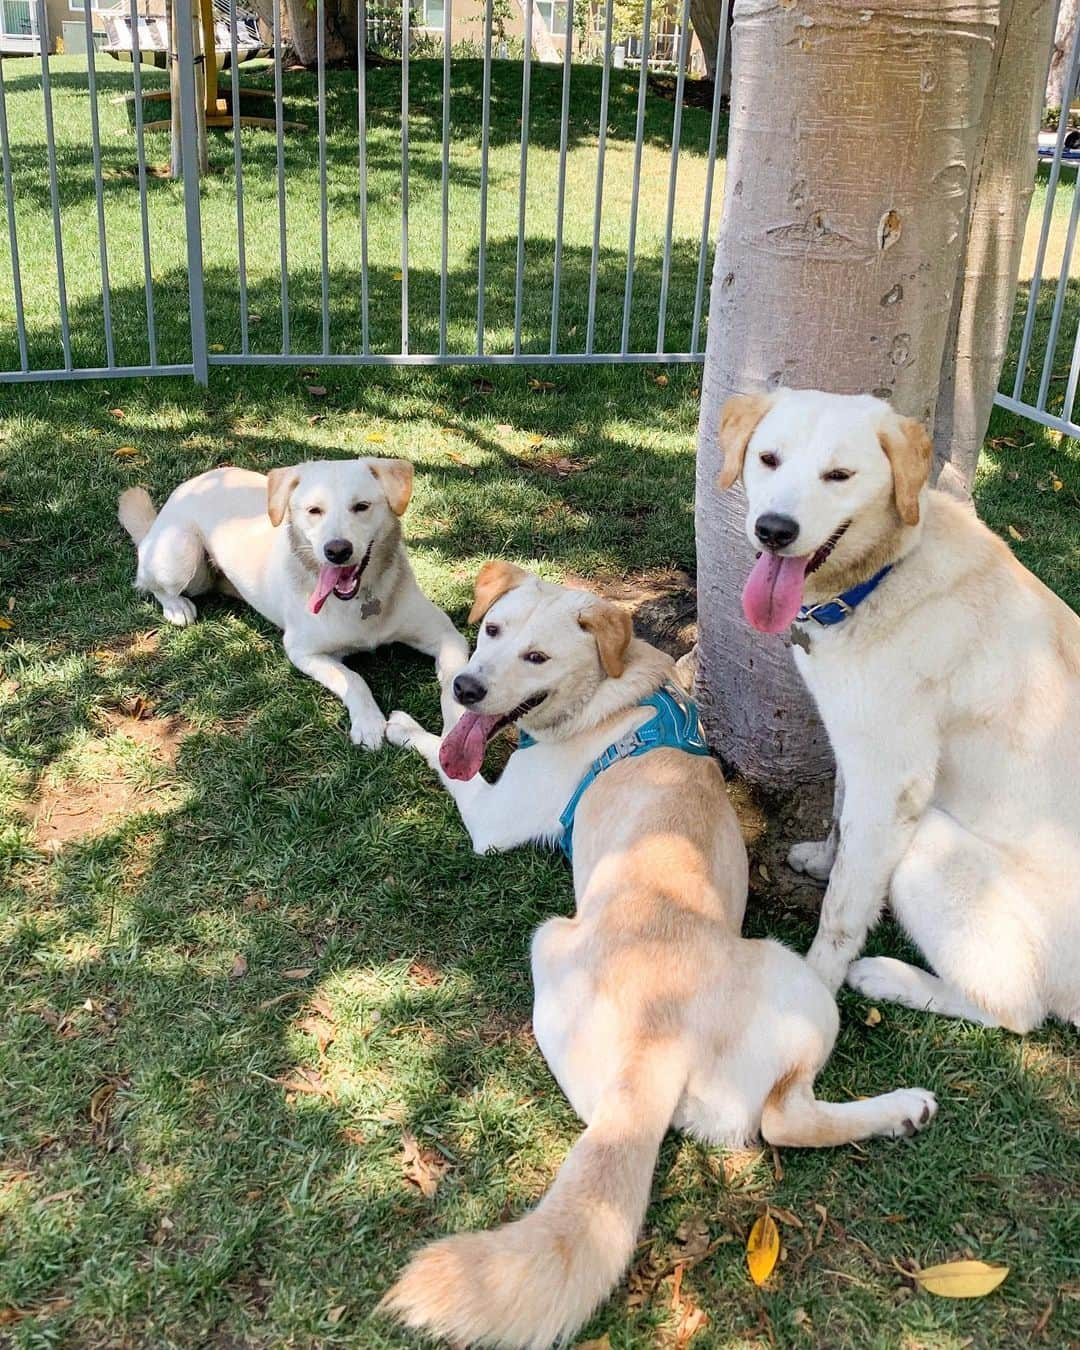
{"x":835,"y":611}
{"x":675,"y":725}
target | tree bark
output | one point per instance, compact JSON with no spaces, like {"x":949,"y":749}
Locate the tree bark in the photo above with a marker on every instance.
{"x":1000,"y":195}
{"x":341,"y":29}
{"x":854,"y":135}
{"x":705,"y":18}
{"x":1068,"y":14}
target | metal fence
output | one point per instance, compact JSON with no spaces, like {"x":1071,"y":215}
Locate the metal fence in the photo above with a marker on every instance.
{"x":564,"y":309}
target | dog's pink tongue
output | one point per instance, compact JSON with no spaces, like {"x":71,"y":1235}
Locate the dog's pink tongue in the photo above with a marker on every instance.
{"x":462,"y":751}
{"x":773,"y":592}
{"x":329,"y":576}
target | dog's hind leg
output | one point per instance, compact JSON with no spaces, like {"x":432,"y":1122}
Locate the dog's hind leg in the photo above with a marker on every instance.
{"x":891,"y":981}
{"x":794,"y":1118}
{"x":172,"y":567}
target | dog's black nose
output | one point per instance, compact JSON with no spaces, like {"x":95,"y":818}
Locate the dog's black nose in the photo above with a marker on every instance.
{"x":468,"y":690}
{"x":776,"y":531}
{"x":337,"y":551}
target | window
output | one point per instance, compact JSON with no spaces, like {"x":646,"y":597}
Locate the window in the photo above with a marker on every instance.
{"x":432,"y":13}
{"x":554,"y":15}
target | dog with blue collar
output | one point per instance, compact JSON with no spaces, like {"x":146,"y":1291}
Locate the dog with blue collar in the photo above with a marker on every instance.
{"x":650,"y":1007}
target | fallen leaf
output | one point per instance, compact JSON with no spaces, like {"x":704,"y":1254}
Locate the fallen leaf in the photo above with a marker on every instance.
{"x":239,"y":968}
{"x":762,"y":1248}
{"x":763,"y":872}
{"x":692,"y":1239}
{"x":101,"y":1103}
{"x":960,"y":1279}
{"x":216,"y":347}
{"x":599,"y":1343}
{"x":335,"y":1315}
{"x":138,"y":707}
{"x":374,"y":438}
{"x":322,"y":1031}
{"x":540,"y":386}
{"x":5,"y":624}
{"x":1015,"y":533}
{"x":269,"y":1002}
{"x":872,"y":1018}
{"x":786,"y":1216}
{"x":351,"y":1135}
{"x":316,"y":418}
{"x":125,"y":451}
{"x":308,"y":1081}
{"x":691,"y":1322}
{"x":399,"y":276}
{"x":298,"y":972}
{"x":483,"y":386}
{"x":461,"y":461}
{"x":118,"y":413}
{"x":316,"y":390}
{"x":1056,"y":483}
{"x":422,"y":1166}
{"x":661,"y":380}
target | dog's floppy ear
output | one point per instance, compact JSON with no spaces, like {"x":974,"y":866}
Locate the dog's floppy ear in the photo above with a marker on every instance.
{"x":738,"y":418}
{"x":612,"y":629}
{"x":492,"y":582}
{"x":909,"y":450}
{"x":396,"y":479}
{"x":279,"y":488}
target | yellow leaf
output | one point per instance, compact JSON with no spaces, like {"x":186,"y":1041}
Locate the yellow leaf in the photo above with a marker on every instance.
{"x":216,"y":347}
{"x":399,"y":276}
{"x":1056,"y":483}
{"x":374,"y":438}
{"x":762,"y":1248}
{"x":873,"y":1018}
{"x":661,"y":380}
{"x":960,"y":1279}
{"x":5,"y":624}
{"x":601,"y":1343}
{"x":125,"y":451}
{"x":1015,"y":533}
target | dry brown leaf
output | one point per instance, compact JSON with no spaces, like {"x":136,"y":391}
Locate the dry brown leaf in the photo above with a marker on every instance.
{"x":1014,"y":533}
{"x":125,"y":451}
{"x":661,"y":380}
{"x":599,"y":1343}
{"x":297,"y":972}
{"x":138,"y":707}
{"x":960,"y":1279}
{"x":540,"y":386}
{"x":307,"y":1081}
{"x":5,"y":623}
{"x":118,"y":413}
{"x":690,"y":1323}
{"x":422,"y":1166}
{"x":352,"y":1135}
{"x":335,"y":1315}
{"x":691,"y":1239}
{"x":280,"y":998}
{"x":483,"y":386}
{"x":316,"y":390}
{"x":322,"y":1031}
{"x":762,"y":1248}
{"x":239,"y":968}
{"x":785,"y":1216}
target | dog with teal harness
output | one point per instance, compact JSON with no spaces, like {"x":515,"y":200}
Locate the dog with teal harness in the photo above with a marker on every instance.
{"x":675,"y":725}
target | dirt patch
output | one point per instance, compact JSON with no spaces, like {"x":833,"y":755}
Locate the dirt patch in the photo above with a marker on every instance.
{"x":696,"y":93}
{"x":663,"y":602}
{"x":162,"y":736}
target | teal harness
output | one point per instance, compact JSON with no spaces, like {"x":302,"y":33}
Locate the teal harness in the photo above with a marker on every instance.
{"x":675,"y":725}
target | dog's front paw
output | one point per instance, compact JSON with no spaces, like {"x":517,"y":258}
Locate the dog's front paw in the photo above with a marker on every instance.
{"x":178,"y":610}
{"x":368,"y":731}
{"x":909,"y":1111}
{"x":814,"y":857}
{"x":827,"y":962}
{"x":401,"y":730}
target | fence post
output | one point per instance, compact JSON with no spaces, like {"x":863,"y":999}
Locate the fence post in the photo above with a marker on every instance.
{"x":189,"y":142}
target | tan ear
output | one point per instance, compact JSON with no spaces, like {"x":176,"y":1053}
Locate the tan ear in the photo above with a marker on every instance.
{"x":738,"y":419}
{"x":396,"y":479}
{"x":492,"y":582}
{"x":279,"y":488}
{"x":612,"y":628}
{"x":909,"y":450}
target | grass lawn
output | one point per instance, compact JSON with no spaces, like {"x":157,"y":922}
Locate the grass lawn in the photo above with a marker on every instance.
{"x":243,"y":962}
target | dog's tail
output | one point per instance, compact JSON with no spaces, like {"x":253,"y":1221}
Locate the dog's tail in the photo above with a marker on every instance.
{"x":536,"y":1281}
{"x":137,"y":513}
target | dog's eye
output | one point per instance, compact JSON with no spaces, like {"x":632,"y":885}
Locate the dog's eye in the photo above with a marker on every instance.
{"x":315,"y":511}
{"x":492,"y":629}
{"x":770,"y":459}
{"x":534,"y":658}
{"x":360,"y":506}
{"x":837,"y":475}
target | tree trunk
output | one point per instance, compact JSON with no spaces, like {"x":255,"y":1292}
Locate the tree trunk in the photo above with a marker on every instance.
{"x":1068,"y":13}
{"x":986,"y":288}
{"x":854,"y":135}
{"x":341,"y":29}
{"x":705,"y":19}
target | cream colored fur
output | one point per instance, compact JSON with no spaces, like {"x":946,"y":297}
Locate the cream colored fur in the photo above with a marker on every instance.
{"x":650,"y":1008}
{"x":952,"y":701}
{"x":262,"y":538}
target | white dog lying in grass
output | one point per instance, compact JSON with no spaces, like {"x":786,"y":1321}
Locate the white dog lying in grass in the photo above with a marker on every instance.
{"x":650,"y":1007}
{"x":948,"y":679}
{"x":316,"y":548}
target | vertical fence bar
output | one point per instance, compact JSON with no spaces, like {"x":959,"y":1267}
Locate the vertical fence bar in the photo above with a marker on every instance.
{"x":13,"y":238}
{"x":485,"y":140}
{"x":639,"y":136}
{"x":1048,"y":211}
{"x":682,"y":54}
{"x":54,"y":191}
{"x":361,"y":122}
{"x":1074,"y":378}
{"x":99,"y":187}
{"x":324,"y":223}
{"x":279,"y":122}
{"x":140,"y":155}
{"x":406,"y":20}
{"x":564,"y":125}
{"x":605,"y":84}
{"x":519,"y":274}
{"x":447,"y":10}
{"x":1059,"y":302}
{"x":238,"y":170}
{"x":189,"y":151}
{"x":706,"y":220}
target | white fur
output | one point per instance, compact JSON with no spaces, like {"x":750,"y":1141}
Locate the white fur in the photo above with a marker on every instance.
{"x":218,"y":523}
{"x":952,"y":702}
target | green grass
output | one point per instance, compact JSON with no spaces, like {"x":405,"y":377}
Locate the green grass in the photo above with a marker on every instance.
{"x":160,"y":1184}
